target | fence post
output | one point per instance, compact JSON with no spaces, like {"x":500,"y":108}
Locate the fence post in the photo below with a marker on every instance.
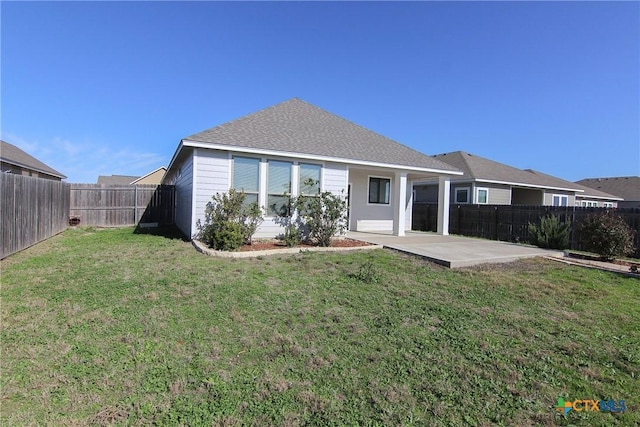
{"x":135,"y":206}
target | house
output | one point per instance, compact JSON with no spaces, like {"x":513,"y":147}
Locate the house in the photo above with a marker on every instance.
{"x":154,"y":178}
{"x":626,"y":187}
{"x":489,"y":182}
{"x":16,"y":161}
{"x":271,"y":153}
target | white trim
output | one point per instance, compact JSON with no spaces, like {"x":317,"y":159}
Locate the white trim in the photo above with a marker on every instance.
{"x":189,"y":143}
{"x":455,"y":195}
{"x":194,"y":192}
{"x":518,"y":184}
{"x":607,"y":204}
{"x":560,"y":196}
{"x":390,"y":192}
{"x":444,"y":194}
{"x":478,"y":189}
{"x":598,"y":197}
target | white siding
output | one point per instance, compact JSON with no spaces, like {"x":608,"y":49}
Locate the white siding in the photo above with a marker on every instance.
{"x":365,"y":216}
{"x":334,"y":178}
{"x":212,"y":176}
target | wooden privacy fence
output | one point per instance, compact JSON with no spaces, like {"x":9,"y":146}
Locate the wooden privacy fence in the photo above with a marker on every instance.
{"x":33,"y":209}
{"x":511,"y":223}
{"x":122,"y":205}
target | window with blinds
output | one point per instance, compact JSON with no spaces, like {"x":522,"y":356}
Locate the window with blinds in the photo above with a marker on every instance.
{"x":278,"y":187}
{"x":246,"y":177}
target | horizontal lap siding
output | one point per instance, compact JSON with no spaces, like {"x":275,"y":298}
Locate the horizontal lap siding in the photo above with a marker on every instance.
{"x":335,"y":179}
{"x":212,"y":169}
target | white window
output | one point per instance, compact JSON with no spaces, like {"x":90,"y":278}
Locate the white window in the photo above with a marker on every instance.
{"x":482,"y":196}
{"x":246,"y":176}
{"x":379,"y":190}
{"x":560,"y":200}
{"x":278,"y":187}
{"x":607,"y":204}
{"x":309,"y":179}
{"x":462,"y":195}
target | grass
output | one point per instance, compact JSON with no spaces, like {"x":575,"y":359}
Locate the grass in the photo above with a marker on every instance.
{"x":109,"y":327}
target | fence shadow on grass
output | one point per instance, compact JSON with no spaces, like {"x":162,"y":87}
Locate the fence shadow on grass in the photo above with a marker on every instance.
{"x":167,"y":231}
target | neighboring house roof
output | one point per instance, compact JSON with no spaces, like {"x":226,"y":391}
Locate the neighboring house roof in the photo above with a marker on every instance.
{"x":296,"y":127}
{"x":13,"y":155}
{"x":588,"y":193}
{"x":484,"y":170}
{"x":161,"y":171}
{"x":116,"y":179}
{"x":627,"y":187}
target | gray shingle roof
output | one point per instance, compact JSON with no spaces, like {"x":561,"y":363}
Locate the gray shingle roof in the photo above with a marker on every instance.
{"x":627,"y":187}
{"x":587,"y":192}
{"x":9,"y":153}
{"x":295,"y":126}
{"x":480,"y":168}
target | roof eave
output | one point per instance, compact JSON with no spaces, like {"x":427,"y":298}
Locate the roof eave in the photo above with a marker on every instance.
{"x":213,"y":146}
{"x":22,"y":165}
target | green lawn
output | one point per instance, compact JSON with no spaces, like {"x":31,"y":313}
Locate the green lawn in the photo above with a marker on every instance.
{"x":105,"y":327}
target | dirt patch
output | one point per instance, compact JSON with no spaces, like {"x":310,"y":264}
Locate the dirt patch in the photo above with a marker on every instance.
{"x":623,"y":262}
{"x":265,"y":245}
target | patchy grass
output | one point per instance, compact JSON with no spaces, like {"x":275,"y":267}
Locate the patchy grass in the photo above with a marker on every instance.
{"x":108,"y":327}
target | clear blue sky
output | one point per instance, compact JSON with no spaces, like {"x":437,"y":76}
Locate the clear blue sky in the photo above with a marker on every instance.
{"x":111,"y":88}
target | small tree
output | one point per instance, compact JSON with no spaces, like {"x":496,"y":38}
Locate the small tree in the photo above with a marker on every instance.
{"x":228,"y":221}
{"x":551,"y":233}
{"x":607,"y":234}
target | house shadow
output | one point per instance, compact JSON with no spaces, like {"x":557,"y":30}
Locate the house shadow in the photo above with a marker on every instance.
{"x":158,"y":218}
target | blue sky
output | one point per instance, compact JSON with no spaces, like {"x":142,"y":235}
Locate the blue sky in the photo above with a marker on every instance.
{"x":111,"y":88}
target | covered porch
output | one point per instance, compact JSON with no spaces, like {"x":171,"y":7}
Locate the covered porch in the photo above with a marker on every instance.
{"x":381,"y":199}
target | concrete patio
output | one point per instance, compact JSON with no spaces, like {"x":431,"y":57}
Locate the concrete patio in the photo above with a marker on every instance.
{"x":453,"y":251}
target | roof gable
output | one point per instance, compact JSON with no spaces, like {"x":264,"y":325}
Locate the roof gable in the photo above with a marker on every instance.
{"x":295,"y":126}
{"x":11,"y":154}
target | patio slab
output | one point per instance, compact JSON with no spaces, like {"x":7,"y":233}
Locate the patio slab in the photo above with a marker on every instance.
{"x":454,"y":251}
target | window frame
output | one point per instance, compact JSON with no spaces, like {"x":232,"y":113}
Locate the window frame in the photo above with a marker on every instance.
{"x":607,"y":204}
{"x":269,"y":213}
{"x":460,"y":189}
{"x":380,"y":179}
{"x":300,"y":182}
{"x":478,"y":190}
{"x":560,"y":198}
{"x":233,"y":176}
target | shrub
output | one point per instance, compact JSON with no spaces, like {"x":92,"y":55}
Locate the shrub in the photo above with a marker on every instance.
{"x":317,"y":218}
{"x":607,"y":234}
{"x":324,"y":216}
{"x":229,"y":222}
{"x":551,"y":233}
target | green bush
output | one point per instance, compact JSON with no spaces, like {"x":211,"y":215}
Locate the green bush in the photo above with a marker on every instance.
{"x":551,"y":233}
{"x":316,"y":218}
{"x":228,"y":221}
{"x":607,"y":234}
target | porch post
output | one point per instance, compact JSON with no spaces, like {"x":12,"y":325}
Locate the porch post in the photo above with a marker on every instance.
{"x":444,"y":192}
{"x":399,"y":204}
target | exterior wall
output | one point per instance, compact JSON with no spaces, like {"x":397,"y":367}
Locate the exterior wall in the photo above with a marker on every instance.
{"x":548,"y":197}
{"x":17,"y":170}
{"x":212,"y":169}
{"x":629,"y":204}
{"x":426,"y":193}
{"x":498,"y":194}
{"x":182,"y":178}
{"x":155,"y":178}
{"x":365,"y":216}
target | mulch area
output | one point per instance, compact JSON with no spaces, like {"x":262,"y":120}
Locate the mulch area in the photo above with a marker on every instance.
{"x":264,"y":245}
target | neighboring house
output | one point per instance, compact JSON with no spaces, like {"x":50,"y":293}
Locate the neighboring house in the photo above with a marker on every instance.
{"x":626,"y":187}
{"x":270,"y":154}
{"x":153,"y":178}
{"x":489,"y":182}
{"x":16,"y":161}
